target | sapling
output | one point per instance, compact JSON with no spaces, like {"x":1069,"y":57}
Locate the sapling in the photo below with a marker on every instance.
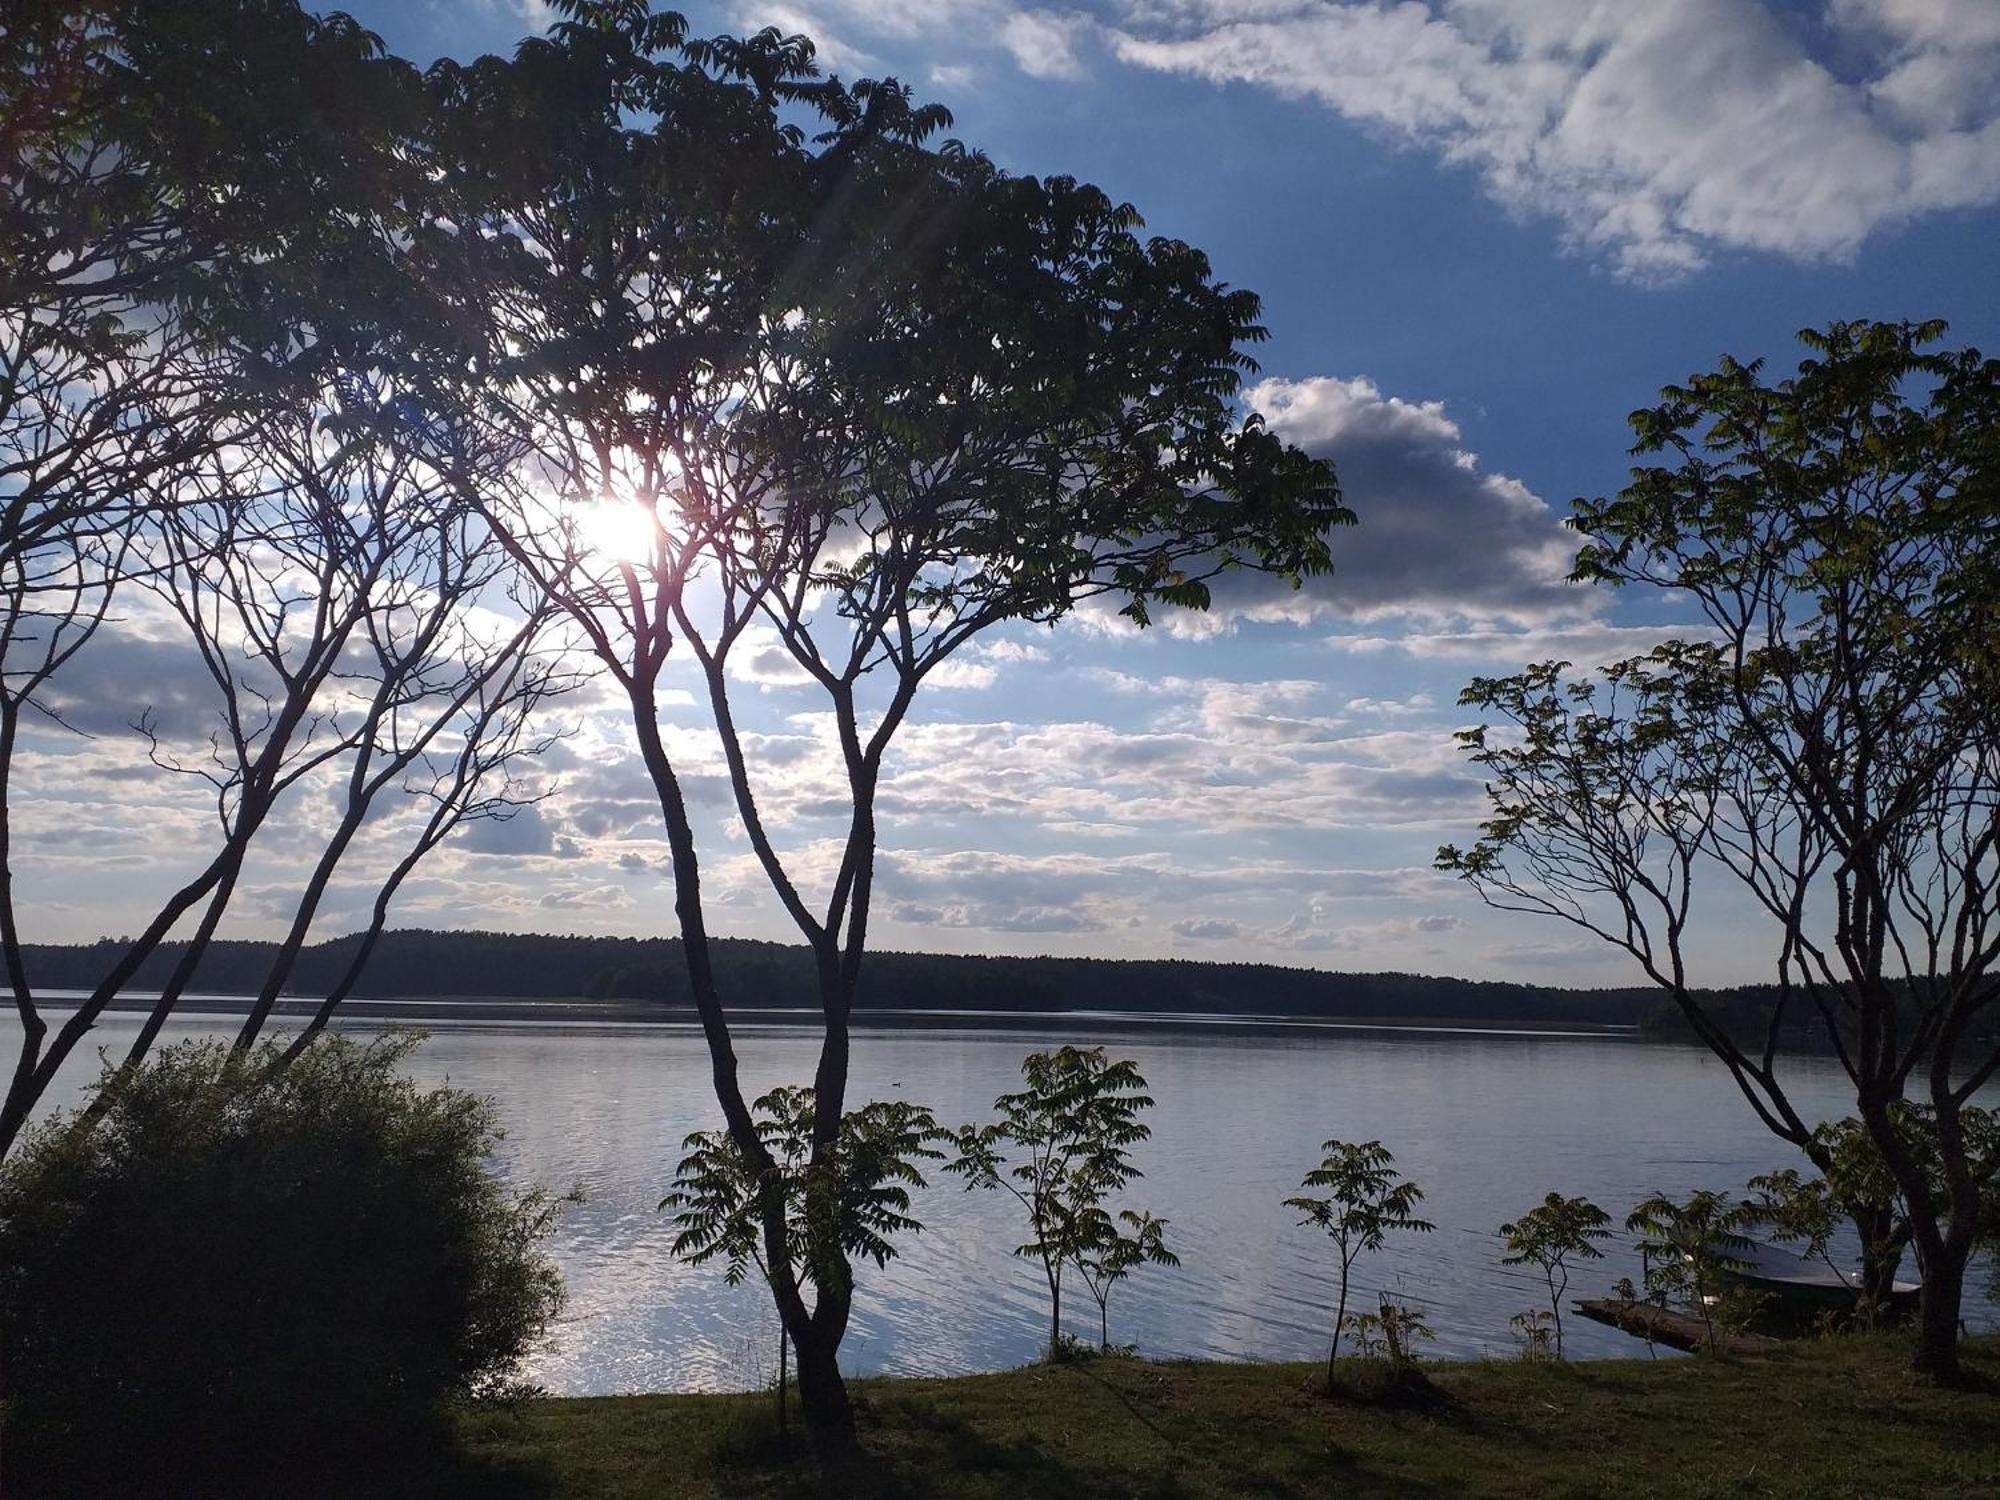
{"x":1549,"y":1235}
{"x":1364,"y":1203}
{"x":1071,"y":1130}
{"x":1113,"y":1254}
{"x":1688,"y":1248}
{"x":718,"y":1200}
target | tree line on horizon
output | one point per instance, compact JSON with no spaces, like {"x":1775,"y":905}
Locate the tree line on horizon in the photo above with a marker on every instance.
{"x":414,"y":963}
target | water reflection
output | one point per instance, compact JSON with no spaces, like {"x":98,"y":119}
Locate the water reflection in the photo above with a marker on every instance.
{"x":1485,"y":1123}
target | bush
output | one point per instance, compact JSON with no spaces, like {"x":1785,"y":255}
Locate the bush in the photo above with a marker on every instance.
{"x":232,"y":1271}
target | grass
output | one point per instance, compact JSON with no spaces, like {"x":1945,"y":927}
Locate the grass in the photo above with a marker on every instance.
{"x":1841,"y":1418}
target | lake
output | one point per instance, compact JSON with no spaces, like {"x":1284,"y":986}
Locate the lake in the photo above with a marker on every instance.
{"x":1485,"y":1122}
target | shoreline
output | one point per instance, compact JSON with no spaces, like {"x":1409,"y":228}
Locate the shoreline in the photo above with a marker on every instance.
{"x":616,"y":1014}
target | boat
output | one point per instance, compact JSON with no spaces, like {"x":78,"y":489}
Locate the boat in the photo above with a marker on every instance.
{"x":1803,"y":1287}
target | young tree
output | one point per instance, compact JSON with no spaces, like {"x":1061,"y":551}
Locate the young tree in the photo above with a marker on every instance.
{"x":1688,"y":1248}
{"x":1830,"y":747}
{"x":1393,"y":1331}
{"x":1363,"y":1204}
{"x":1548,"y":1236}
{"x":718,"y":1192}
{"x":865,"y":392}
{"x":1072,"y":1129}
{"x":1113,"y":1254}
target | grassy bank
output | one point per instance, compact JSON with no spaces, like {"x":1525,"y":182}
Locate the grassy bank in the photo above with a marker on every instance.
{"x":1836,"y":1419}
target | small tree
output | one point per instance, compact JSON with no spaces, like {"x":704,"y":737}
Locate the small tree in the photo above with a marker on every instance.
{"x":718,"y":1196}
{"x":1549,"y":1235}
{"x":1363,"y":1205}
{"x":1074,"y":1124}
{"x":1113,"y":1255}
{"x":1393,"y":1332}
{"x":1688,"y":1248}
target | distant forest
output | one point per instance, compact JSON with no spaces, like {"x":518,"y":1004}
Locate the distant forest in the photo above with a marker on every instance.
{"x":421,"y":963}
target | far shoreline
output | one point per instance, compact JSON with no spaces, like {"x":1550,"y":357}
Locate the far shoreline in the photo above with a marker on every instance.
{"x":553,"y":1011}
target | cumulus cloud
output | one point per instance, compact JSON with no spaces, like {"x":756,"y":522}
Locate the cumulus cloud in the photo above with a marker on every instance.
{"x":1207,"y":929}
{"x":1438,"y":533}
{"x":1653,"y":134}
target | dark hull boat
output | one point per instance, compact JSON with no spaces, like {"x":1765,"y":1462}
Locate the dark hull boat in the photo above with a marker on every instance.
{"x":1801,"y":1289}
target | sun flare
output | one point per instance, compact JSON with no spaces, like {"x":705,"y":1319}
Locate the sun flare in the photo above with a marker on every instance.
{"x":617,"y":531}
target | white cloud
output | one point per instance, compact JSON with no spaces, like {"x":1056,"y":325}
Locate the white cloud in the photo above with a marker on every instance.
{"x":1043,"y":43}
{"x":1653,"y":133}
{"x":962,"y":674}
{"x":1207,"y":929}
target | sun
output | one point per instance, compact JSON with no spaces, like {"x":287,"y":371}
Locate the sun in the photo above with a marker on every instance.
{"x":617,"y":531}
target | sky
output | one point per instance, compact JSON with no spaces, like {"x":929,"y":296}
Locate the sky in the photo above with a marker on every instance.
{"x":1484,"y":232}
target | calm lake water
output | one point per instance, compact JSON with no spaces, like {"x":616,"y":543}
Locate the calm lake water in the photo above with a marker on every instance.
{"x":1485,"y":1122}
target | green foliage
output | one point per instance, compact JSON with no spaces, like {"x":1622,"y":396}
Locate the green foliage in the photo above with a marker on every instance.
{"x":1364,"y":1203}
{"x":1061,"y":1147}
{"x":1113,"y":1253}
{"x":1393,"y":1332}
{"x":1536,"y":1329}
{"x":1855,"y":1184}
{"x":1688,"y":1247}
{"x":1549,"y":1236}
{"x":718,"y":1197}
{"x":232,"y":1271}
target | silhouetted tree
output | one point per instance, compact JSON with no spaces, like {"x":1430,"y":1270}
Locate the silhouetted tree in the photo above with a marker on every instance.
{"x":867,"y":392}
{"x":174,"y":176}
{"x":1830,"y":745}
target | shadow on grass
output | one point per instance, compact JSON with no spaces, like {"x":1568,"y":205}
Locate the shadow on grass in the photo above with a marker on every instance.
{"x":906,"y":1449}
{"x":439,"y":1471}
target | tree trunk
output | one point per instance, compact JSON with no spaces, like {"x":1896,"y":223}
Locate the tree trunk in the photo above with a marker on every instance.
{"x":1941,"y":1249}
{"x":1937,"y":1320}
{"x":1339,"y":1317}
{"x":784,"y":1348}
{"x":815,"y":1339}
{"x":822,"y":1392}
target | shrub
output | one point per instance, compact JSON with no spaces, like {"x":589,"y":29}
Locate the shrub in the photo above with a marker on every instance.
{"x":232,"y":1270}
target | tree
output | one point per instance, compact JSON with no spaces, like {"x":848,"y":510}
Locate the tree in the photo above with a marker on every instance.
{"x":1548,"y":1236}
{"x":1113,"y":1254}
{"x":175,"y":178}
{"x":718,"y":1196}
{"x":1364,"y":1203}
{"x":1073,"y":1126}
{"x":1829,"y":746}
{"x":1687,"y":1251}
{"x":865,"y":392}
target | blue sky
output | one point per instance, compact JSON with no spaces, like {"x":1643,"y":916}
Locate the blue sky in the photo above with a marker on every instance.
{"x":1484,"y":231}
